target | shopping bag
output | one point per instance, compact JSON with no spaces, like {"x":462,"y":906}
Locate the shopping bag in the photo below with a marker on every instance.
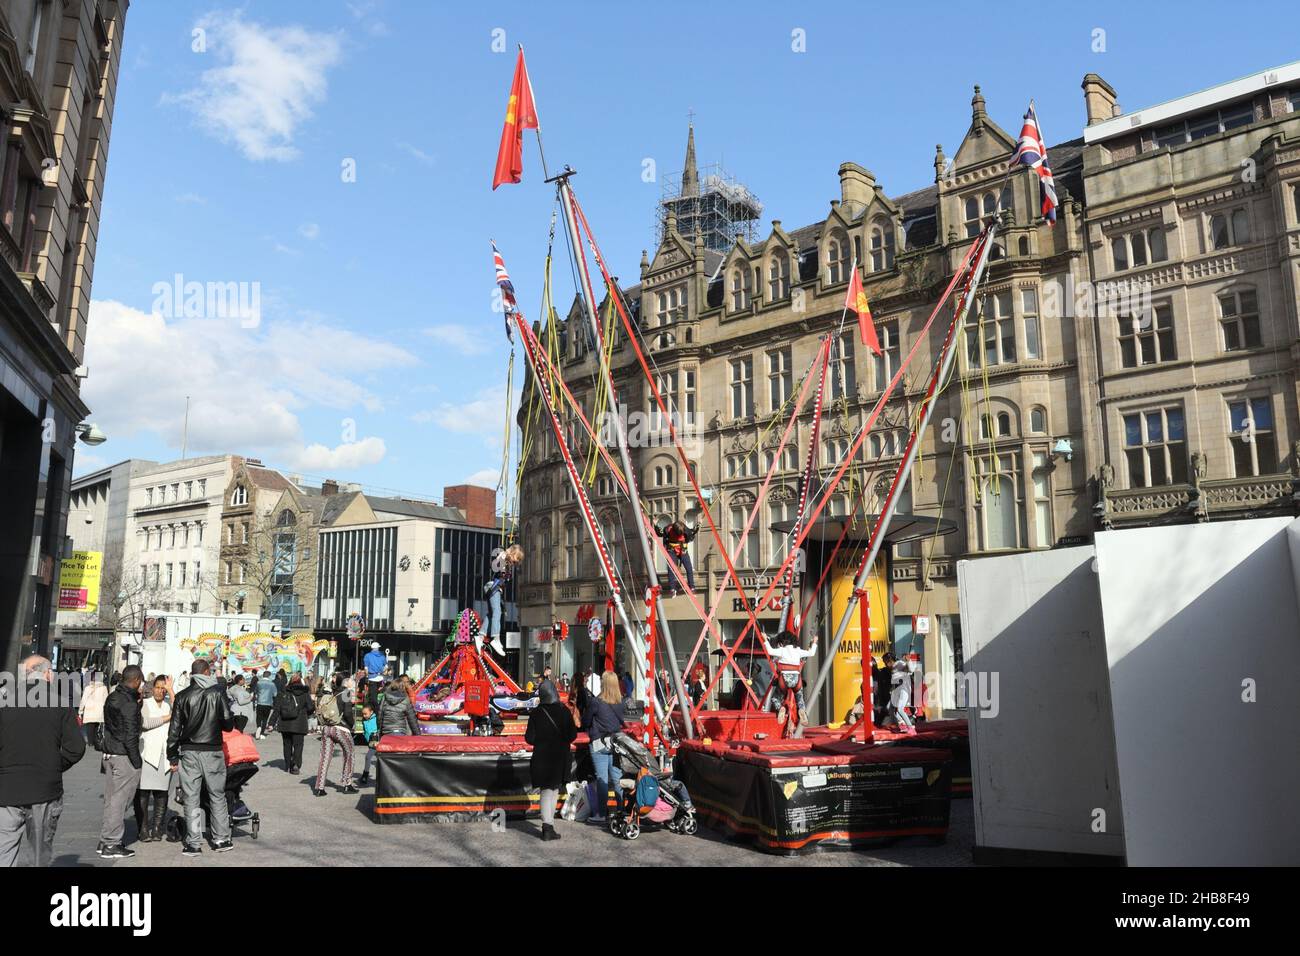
{"x":576,"y":806}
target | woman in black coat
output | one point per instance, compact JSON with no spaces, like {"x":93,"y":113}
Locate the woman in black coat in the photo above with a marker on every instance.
{"x":296,"y":699}
{"x":550,"y":731}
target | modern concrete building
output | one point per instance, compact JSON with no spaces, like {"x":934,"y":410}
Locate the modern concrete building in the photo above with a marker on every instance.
{"x":408,"y":568}
{"x":98,"y":520}
{"x":1062,"y":416}
{"x":58,"y":81}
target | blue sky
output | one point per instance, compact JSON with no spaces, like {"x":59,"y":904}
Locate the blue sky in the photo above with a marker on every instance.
{"x":376,"y":357}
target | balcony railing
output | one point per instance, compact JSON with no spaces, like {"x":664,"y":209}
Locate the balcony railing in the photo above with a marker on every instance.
{"x":1204,"y":500}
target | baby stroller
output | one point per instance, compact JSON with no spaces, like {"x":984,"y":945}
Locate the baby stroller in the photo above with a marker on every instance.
{"x":671,"y":804}
{"x":241,"y":766}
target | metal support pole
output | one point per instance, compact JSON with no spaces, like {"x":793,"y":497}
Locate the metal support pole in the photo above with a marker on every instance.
{"x":620,"y":432}
{"x":882,"y":523}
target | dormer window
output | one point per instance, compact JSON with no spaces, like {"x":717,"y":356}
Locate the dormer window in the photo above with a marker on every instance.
{"x":837,"y":260}
{"x":741,"y":288}
{"x":668,"y":306}
{"x":778,"y":276}
{"x":882,"y":246}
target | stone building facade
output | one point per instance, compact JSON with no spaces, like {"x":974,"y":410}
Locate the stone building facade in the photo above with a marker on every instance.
{"x":1198,"y":199}
{"x":58,"y":80}
{"x":1029,"y":444}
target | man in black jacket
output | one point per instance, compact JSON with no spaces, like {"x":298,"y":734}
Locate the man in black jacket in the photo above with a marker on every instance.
{"x":122,"y":761}
{"x":38,"y":744}
{"x":199,"y":716}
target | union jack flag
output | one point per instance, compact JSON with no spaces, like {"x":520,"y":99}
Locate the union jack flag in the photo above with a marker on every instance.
{"x":508,"y":303}
{"x":1031,"y":151}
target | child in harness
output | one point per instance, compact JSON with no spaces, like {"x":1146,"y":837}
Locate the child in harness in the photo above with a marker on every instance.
{"x":504,"y":561}
{"x":787,"y":661}
{"x":677,"y":537}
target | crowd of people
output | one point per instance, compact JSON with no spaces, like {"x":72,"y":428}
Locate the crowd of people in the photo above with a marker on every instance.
{"x":167,"y":744}
{"x":174,"y":751}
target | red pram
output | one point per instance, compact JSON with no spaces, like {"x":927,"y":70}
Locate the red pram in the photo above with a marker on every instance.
{"x":241,"y":755}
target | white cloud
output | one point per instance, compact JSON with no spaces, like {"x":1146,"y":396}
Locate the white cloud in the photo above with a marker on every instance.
{"x":486,"y":478}
{"x":357,"y":454}
{"x":270,"y":80}
{"x":309,"y":230}
{"x":193,"y":199}
{"x":373,"y":26}
{"x":483,"y":415}
{"x":247,"y":387}
{"x":428,"y":159}
{"x":459,"y":337}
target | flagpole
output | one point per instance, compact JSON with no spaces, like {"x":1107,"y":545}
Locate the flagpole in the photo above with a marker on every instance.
{"x":538,"y":129}
{"x":952,"y":343}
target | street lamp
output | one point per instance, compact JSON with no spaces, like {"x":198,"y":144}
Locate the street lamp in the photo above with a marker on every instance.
{"x":91,"y":434}
{"x":1064,"y":448}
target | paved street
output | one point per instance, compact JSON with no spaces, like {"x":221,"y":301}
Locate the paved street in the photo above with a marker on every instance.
{"x":299,"y":829}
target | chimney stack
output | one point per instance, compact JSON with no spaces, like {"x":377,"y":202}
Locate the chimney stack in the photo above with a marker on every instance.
{"x":1099,"y":99}
{"x":329,"y":487}
{"x":857,"y":187}
{"x":479,"y":505}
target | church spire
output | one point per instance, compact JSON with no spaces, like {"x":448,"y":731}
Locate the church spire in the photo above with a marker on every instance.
{"x":690,"y":174}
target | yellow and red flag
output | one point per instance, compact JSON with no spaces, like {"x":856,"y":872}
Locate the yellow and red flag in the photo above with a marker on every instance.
{"x":521,"y":114}
{"x":857,"y":301}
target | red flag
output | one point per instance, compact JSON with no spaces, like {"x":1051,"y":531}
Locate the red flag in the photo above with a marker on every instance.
{"x":521,"y":114}
{"x":857,"y":301}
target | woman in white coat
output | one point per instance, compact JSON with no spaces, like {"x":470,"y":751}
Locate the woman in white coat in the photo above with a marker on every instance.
{"x":155,"y":772}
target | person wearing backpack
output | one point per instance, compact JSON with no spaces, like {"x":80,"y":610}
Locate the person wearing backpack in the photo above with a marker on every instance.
{"x":550,"y":731}
{"x":329,"y":719}
{"x":294,"y":706}
{"x":603,"y":719}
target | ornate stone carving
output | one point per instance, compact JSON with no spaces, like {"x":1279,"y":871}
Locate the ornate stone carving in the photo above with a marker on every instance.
{"x":1200,"y":466}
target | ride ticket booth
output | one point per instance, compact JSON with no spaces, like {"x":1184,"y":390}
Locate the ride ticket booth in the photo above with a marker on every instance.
{"x":828,"y":606}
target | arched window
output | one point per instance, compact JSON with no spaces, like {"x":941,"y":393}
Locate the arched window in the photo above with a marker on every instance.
{"x":573,"y":550}
{"x":1024,"y":245}
{"x":239,"y":496}
{"x":973,"y":225}
{"x":1038,"y":420}
{"x":779,"y":511}
{"x":286,"y":519}
{"x":609,"y":529}
{"x":999,"y":502}
{"x":741,"y":288}
{"x":882,"y":245}
{"x":1156,"y":243}
{"x":778,"y":276}
{"x":545,"y":554}
{"x":1004,"y":425}
{"x":743,"y":546}
{"x":837,"y":259}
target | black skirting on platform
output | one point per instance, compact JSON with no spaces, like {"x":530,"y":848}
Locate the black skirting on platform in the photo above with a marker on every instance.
{"x":801,"y":808}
